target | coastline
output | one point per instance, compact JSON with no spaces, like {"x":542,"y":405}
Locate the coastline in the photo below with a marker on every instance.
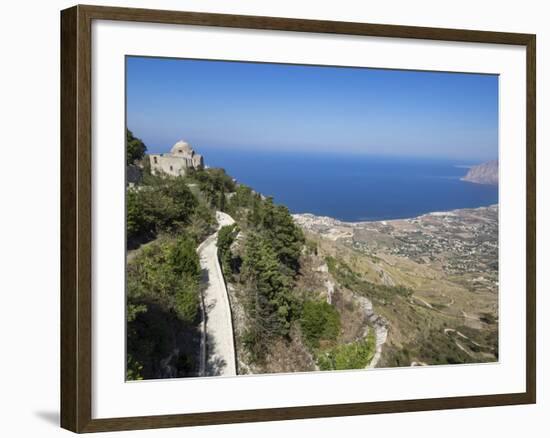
{"x":328,"y":220}
{"x":465,"y":179}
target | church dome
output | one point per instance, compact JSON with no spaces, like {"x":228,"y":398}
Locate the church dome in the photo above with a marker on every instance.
{"x":181,"y":147}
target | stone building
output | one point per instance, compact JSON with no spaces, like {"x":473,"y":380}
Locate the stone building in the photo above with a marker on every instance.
{"x":180,"y":158}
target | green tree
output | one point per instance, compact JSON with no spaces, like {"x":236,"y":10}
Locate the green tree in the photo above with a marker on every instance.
{"x":135,"y":148}
{"x":168,"y":274}
{"x":212,"y":183}
{"x":286,"y":237}
{"x":185,"y":263}
{"x":136,"y":222}
{"x":319,"y":321}
{"x":183,"y":258}
{"x":254,"y":217}
{"x":226,"y":236}
{"x":243,"y":197}
{"x":271,"y":306}
{"x":163,"y":205}
{"x":221,"y":204}
{"x":203,"y":223}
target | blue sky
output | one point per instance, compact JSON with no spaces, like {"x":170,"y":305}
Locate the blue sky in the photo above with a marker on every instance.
{"x":219,"y":104}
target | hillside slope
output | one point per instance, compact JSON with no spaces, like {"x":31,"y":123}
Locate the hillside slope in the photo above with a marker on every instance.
{"x":433,"y":279}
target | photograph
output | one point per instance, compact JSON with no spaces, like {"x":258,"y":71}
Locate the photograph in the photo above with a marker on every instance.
{"x":292,"y":218}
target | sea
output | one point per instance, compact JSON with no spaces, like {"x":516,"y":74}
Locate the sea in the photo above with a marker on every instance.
{"x":354,"y":187}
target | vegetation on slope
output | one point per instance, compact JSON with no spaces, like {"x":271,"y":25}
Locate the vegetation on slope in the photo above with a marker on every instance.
{"x":270,"y":304}
{"x":422,"y":330}
{"x":162,"y":300}
{"x":264,"y":270}
{"x":226,"y":237}
{"x":267,"y":270}
{"x":320,"y":322}
{"x":355,"y":355}
{"x":167,"y":217}
{"x":159,"y":205}
{"x":350,"y":279}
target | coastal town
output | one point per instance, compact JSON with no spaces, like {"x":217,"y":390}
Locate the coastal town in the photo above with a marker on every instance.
{"x":463,"y":242}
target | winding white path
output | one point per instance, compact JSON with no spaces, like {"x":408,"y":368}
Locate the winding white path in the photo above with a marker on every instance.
{"x":218,"y":348}
{"x":379,"y":325}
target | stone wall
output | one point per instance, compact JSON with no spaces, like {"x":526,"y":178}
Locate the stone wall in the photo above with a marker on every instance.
{"x":170,"y":165}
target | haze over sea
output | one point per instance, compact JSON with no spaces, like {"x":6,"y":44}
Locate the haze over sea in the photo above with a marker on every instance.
{"x":354,"y":187}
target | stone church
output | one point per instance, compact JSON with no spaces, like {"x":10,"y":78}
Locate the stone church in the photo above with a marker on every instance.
{"x":180,"y":158}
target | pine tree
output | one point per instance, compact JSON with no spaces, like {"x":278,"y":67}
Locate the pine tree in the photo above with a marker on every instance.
{"x":269,"y":304}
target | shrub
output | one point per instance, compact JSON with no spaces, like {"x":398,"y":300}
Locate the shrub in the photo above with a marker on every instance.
{"x":186,"y":264}
{"x":187,"y":301}
{"x":319,"y":321}
{"x":166,"y":273}
{"x":162,"y":302}
{"x":226,"y":236}
{"x":243,"y":197}
{"x":488,"y":318}
{"x":133,"y":368}
{"x":356,"y":355}
{"x":202,"y":224}
{"x":311,"y":247}
{"x":214,"y":183}
{"x":161,"y":206}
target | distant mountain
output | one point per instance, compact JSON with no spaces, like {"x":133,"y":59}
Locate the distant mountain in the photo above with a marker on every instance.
{"x":485,"y":173}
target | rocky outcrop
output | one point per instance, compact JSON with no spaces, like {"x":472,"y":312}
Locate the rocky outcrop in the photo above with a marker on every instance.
{"x":485,"y":173}
{"x":133,"y":174}
{"x":378,"y":323}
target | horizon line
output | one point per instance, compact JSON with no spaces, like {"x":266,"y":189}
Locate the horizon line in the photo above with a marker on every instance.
{"x":309,"y":151}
